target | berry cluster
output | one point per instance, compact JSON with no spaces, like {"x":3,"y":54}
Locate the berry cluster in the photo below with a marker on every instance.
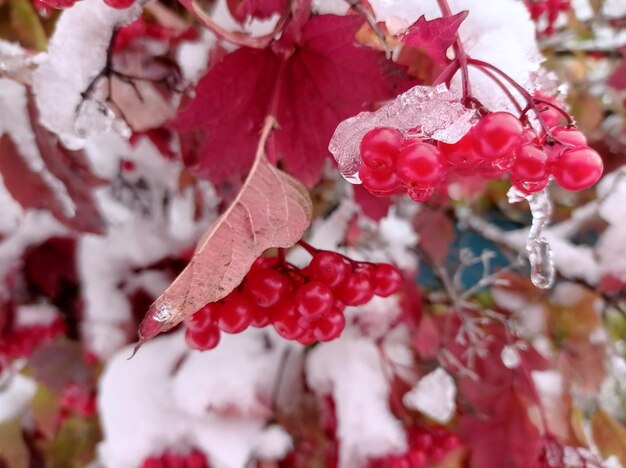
{"x":302,"y":304}
{"x":426,"y":445}
{"x":193,"y":459}
{"x":497,"y":143}
{"x":23,"y":341}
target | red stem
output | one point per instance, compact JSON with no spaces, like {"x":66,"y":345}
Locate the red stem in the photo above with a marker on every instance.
{"x":459,"y":52}
{"x":503,"y":87}
{"x":308,"y":247}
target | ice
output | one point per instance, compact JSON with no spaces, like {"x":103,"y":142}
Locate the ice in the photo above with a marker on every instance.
{"x":433,"y":395}
{"x":93,"y":117}
{"x":540,"y":256}
{"x":431,"y":112}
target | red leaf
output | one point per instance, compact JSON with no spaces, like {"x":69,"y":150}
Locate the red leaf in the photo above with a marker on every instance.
{"x":261,"y":9}
{"x":434,"y":36}
{"x":505,"y":438}
{"x":435,"y":231}
{"x":272,"y":210}
{"x":617,"y":79}
{"x":373,"y":207}
{"x":29,"y":188}
{"x":310,"y":80}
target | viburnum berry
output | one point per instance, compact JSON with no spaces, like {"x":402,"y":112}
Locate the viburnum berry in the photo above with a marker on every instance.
{"x":569,"y":136}
{"x":498,"y":135}
{"x":329,"y":326}
{"x":463,"y":153}
{"x":420,"y":165}
{"x":266,"y":286}
{"x":356,"y":290}
{"x":329,"y":268}
{"x":119,"y":4}
{"x":236,"y":313}
{"x":203,"y":317}
{"x":57,"y":4}
{"x":314,"y":299}
{"x":286,"y":320}
{"x":386,"y":280}
{"x":380,"y":183}
{"x":203,"y":339}
{"x":530,"y":163}
{"x":380,"y":147}
{"x":578,"y":169}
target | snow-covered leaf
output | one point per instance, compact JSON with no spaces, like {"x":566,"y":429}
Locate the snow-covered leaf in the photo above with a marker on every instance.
{"x":434,"y":395}
{"x":435,"y":36}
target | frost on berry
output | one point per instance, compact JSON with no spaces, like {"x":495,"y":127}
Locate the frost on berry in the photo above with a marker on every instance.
{"x":432,"y":112}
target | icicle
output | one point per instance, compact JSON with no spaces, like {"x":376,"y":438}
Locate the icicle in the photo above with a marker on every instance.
{"x":539,"y":252}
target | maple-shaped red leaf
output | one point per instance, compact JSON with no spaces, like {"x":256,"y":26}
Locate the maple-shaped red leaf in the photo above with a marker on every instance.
{"x":260,"y":9}
{"x":434,"y":36}
{"x":272,"y":210}
{"x":69,"y":199}
{"x":310,"y":80}
{"x":617,"y":79}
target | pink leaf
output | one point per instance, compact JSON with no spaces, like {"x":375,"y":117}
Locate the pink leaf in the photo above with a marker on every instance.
{"x":310,"y":80}
{"x":373,"y":207}
{"x":272,"y":210}
{"x":434,"y":36}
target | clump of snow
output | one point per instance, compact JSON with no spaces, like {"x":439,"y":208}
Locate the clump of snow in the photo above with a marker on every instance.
{"x":350,"y":369}
{"x":434,"y":395}
{"x":434,"y":111}
{"x":35,"y":314}
{"x":15,"y":396}
{"x":166,"y":397}
{"x":77,"y":52}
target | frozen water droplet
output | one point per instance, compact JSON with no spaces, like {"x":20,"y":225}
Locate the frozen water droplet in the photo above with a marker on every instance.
{"x":162,"y":314}
{"x":93,"y":118}
{"x":122,"y":128}
{"x":420,"y":195}
{"x":542,"y":270}
{"x":510,"y":357}
{"x":534,"y":186}
{"x":503,"y":164}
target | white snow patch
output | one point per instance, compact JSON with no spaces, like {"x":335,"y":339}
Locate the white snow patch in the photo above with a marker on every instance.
{"x":434,"y":395}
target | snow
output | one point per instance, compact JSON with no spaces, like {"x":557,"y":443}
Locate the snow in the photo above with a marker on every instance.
{"x":15,"y":396}
{"x":434,"y":395}
{"x":35,"y":314}
{"x":169,"y":397}
{"x":76,"y":54}
{"x":350,"y":370}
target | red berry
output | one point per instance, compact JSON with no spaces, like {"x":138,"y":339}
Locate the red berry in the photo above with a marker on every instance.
{"x":329,"y":326}
{"x":204,"y":317}
{"x":314,"y":299}
{"x":417,"y":458}
{"x":266,"y":287}
{"x":119,"y":4}
{"x":569,"y":136}
{"x":174,"y":460}
{"x":263,"y":262}
{"x":386,"y":280}
{"x":196,"y":459}
{"x":462,"y":153}
{"x":420,"y":195}
{"x":307,"y":337}
{"x":236,"y":313}
{"x":578,"y":169}
{"x":285,"y":318}
{"x":329,"y":268}
{"x":260,"y":317}
{"x":380,"y":183}
{"x":420,"y":165}
{"x":153,"y":462}
{"x":204,"y":339}
{"x":530,"y":163}
{"x":498,"y":135}
{"x":356,"y":290}
{"x":379,"y":148}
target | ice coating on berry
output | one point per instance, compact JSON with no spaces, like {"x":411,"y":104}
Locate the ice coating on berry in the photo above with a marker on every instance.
{"x":434,"y":112}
